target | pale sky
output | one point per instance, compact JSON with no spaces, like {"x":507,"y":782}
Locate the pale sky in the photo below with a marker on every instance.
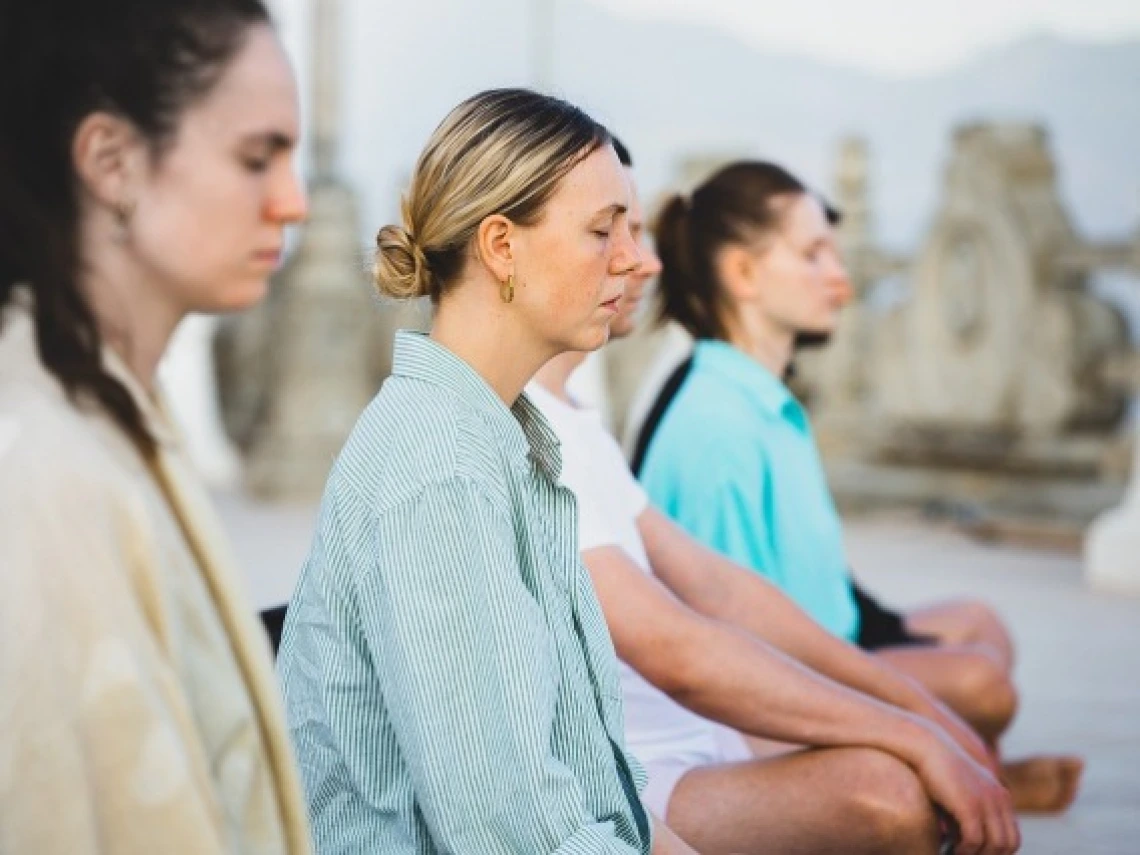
{"x":894,"y":36}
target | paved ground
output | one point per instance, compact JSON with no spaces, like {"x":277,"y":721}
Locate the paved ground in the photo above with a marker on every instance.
{"x":1079,"y":665}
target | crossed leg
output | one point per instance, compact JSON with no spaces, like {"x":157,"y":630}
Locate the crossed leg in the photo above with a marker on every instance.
{"x":969,"y":678}
{"x":964,"y":622}
{"x":836,"y":800}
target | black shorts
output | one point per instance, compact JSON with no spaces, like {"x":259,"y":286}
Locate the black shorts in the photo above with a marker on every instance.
{"x":881,"y":627}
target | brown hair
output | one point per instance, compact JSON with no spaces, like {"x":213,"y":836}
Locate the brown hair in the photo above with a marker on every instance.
{"x":503,"y":151}
{"x":739,"y":203}
{"x":61,"y":60}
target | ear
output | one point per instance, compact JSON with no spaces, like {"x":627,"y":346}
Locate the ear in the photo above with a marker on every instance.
{"x":107,"y":155}
{"x":736,"y":269}
{"x":493,"y":246}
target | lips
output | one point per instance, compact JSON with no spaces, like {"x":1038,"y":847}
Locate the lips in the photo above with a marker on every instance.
{"x":268,"y":256}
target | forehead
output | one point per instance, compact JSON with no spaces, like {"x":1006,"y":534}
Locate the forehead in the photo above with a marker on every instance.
{"x":256,"y":92}
{"x":805,"y":218}
{"x":596,"y":182}
{"x":636,"y":214}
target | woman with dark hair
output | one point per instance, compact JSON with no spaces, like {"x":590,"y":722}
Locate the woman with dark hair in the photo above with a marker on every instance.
{"x":145,"y":173}
{"x":750,"y":267}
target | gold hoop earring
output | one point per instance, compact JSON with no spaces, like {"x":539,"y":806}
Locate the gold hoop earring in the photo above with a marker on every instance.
{"x":507,"y":289}
{"x":124,"y":212}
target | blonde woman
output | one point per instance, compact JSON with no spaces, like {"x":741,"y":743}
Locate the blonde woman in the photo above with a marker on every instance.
{"x":144,"y":174}
{"x":449,"y":680}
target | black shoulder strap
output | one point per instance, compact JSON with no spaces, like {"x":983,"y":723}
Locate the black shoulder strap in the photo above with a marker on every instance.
{"x":657,"y":413}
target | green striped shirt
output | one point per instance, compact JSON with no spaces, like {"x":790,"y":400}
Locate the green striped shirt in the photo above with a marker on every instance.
{"x":449,"y":679}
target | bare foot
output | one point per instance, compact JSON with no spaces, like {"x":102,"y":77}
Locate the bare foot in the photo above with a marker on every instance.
{"x":1043,"y":784}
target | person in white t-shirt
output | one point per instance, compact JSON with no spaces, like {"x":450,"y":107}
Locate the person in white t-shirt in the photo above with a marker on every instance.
{"x":711,"y":651}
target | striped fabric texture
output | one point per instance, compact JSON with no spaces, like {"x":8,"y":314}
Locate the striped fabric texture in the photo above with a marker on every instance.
{"x":449,"y":680}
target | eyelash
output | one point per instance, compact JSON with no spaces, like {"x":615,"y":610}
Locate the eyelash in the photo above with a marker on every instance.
{"x":602,"y":235}
{"x":256,"y":165}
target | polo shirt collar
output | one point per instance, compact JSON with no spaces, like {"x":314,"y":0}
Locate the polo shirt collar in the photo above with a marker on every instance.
{"x":761,"y":386}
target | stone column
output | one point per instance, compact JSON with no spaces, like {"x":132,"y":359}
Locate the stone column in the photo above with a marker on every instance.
{"x":299,"y":370}
{"x":1112,"y":545}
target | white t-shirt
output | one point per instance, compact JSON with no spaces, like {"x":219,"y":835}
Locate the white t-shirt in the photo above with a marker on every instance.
{"x":609,"y":502}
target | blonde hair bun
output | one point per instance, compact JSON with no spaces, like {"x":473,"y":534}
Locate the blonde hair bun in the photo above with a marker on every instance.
{"x":401,"y":270}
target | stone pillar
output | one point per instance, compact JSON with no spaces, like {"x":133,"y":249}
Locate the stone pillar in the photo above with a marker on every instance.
{"x":1112,"y":545}
{"x":297,"y":372}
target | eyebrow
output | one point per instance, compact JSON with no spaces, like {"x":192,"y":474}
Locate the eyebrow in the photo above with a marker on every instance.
{"x":614,"y":209}
{"x":275,"y":140}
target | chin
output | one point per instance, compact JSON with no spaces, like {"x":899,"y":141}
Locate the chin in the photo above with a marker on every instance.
{"x":823,"y":326}
{"x":591,"y":339}
{"x":237,"y":297}
{"x":621,"y":327}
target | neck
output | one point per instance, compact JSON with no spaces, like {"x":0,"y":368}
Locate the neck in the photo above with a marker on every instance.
{"x":554,"y":375}
{"x":768,"y":343}
{"x":500,"y":351}
{"x":134,"y":318}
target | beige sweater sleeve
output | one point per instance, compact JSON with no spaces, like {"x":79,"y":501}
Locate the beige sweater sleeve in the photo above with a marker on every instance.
{"x":97,"y":750}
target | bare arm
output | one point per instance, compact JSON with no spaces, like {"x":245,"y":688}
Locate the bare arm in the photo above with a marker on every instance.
{"x":729,"y":675}
{"x":732,"y":676}
{"x":723,"y":590}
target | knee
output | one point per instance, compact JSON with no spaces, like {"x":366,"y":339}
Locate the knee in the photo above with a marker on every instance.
{"x":891,"y":804}
{"x":991,"y":694}
{"x":975,"y":614}
{"x":985,"y":625}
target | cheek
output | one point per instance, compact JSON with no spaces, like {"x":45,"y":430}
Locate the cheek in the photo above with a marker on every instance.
{"x":795,"y":287}
{"x":574,"y":275}
{"x":200,"y":229}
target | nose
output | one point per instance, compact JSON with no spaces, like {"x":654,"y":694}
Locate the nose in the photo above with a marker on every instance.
{"x":836,"y":279}
{"x":287,"y":202}
{"x":650,"y":261}
{"x":627,"y":255}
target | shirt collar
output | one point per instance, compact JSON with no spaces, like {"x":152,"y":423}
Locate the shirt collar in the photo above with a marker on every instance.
{"x":522,"y":428}
{"x":760,"y":384}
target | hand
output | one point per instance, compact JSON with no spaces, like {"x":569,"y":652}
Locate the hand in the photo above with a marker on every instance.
{"x":965,"y":736}
{"x":977,"y":801}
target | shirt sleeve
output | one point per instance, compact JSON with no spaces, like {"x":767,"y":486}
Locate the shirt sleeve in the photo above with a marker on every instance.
{"x":470,"y":680}
{"x":594,"y":528}
{"x":93,"y":757}
{"x":605,"y":489}
{"x":719,"y":497}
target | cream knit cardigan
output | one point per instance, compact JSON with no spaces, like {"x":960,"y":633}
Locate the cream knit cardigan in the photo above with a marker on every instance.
{"x":139,"y":710}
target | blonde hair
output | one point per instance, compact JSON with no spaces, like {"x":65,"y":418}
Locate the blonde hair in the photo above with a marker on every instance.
{"x":503,"y":151}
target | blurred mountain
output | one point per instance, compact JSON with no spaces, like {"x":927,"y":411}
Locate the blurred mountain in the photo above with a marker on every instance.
{"x":676,"y":90}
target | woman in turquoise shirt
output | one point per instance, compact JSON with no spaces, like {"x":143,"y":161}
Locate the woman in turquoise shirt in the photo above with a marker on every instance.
{"x":733,"y":458}
{"x":750,"y":267}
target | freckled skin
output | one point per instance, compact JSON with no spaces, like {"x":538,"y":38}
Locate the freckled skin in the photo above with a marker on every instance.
{"x":571,"y":267}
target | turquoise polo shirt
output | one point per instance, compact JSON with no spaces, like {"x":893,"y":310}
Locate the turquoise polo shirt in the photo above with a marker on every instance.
{"x":735,"y":464}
